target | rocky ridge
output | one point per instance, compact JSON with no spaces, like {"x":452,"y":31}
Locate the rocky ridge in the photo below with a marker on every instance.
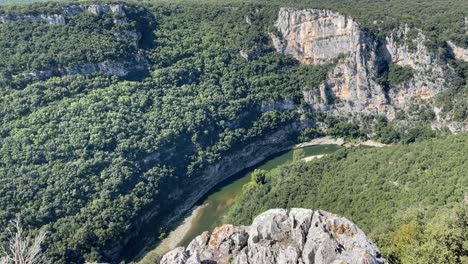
{"x":117,"y":68}
{"x":315,"y":36}
{"x":282,"y":236}
{"x":73,"y":10}
{"x":109,"y":67}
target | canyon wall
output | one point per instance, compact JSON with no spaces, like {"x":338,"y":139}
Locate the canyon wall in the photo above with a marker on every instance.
{"x":315,"y":36}
{"x":66,"y":12}
{"x":62,"y":18}
{"x":244,"y":158}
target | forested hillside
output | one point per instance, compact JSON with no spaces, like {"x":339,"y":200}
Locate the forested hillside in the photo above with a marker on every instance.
{"x":86,"y":156}
{"x":405,"y":197}
{"x":109,"y":113}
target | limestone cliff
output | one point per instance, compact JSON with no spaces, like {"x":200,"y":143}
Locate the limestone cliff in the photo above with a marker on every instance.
{"x":282,"y":236}
{"x":405,"y":47}
{"x":319,"y":36}
{"x":74,"y":10}
{"x":119,"y":68}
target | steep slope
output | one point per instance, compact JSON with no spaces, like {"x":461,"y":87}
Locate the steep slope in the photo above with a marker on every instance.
{"x":282,"y":236}
{"x":104,"y":163}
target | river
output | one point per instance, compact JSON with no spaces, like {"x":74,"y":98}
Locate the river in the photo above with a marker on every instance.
{"x":211,"y":210}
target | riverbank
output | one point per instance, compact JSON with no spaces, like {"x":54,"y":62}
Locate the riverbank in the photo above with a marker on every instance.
{"x":174,"y":238}
{"x":321,"y":141}
{"x":328,"y":140}
{"x":335,"y":141}
{"x":307,"y":159}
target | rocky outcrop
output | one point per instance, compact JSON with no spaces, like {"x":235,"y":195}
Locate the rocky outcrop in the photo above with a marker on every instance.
{"x":118,"y":68}
{"x":60,"y":19}
{"x":406,"y":47}
{"x":279,"y":106}
{"x":446,"y":121}
{"x":282,"y":236}
{"x":49,"y":19}
{"x":316,"y":36}
{"x":320,"y":36}
{"x":458,"y":53}
{"x":250,"y":55}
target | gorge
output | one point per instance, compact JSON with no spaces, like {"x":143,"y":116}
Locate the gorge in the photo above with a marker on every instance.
{"x":118,"y":117}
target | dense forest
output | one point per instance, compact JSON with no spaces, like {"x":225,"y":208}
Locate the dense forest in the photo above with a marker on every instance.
{"x":411,"y":199}
{"x":88,"y":156}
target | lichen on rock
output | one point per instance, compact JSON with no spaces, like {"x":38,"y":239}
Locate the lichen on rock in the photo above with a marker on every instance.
{"x":282,"y":236}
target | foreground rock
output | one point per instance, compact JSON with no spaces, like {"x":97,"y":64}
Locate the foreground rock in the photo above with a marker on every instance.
{"x":282,"y":236}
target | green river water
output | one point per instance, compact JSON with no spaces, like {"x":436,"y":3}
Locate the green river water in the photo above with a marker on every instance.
{"x":216,"y":204}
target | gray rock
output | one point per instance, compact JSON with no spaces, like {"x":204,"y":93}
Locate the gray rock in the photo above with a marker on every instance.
{"x":176,"y":256}
{"x":49,"y":19}
{"x":72,"y":10}
{"x":281,"y":236}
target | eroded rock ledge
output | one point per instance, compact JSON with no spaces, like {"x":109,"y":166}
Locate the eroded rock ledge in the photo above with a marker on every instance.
{"x":282,"y":236}
{"x":74,"y":10}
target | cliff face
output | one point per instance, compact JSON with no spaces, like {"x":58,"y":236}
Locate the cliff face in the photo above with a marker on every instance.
{"x":319,"y":36}
{"x":61,"y":18}
{"x":282,"y":236}
{"x":74,"y":10}
{"x":316,"y":36}
{"x":405,"y":47}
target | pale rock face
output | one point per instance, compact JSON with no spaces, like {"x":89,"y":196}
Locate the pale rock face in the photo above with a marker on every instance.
{"x":105,"y":9}
{"x":53,"y":19}
{"x":320,"y":36}
{"x":73,"y":10}
{"x":429,"y":76}
{"x":176,"y":256}
{"x":316,"y":36}
{"x":466,"y":24}
{"x":458,"y":52}
{"x":282,"y":236}
{"x":49,"y":19}
{"x":447,"y":122}
{"x":279,"y":106}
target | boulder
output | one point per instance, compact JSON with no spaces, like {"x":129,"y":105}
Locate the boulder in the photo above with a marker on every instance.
{"x":282,"y":236}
